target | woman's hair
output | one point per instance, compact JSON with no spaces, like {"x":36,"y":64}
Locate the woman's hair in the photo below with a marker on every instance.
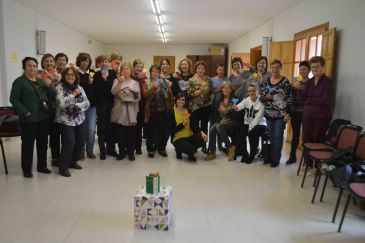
{"x":306,"y":64}
{"x":126,"y":64}
{"x":262,"y":58}
{"x":116,"y":56}
{"x":137,"y":61}
{"x":189,"y":62}
{"x":218,"y":66}
{"x":45,"y":56}
{"x":226,"y":84}
{"x":103,"y":58}
{"x":61,"y":55}
{"x":318,"y":59}
{"x":155,"y":67}
{"x":82,"y":57}
{"x":236,"y":59}
{"x":27,"y":59}
{"x":179,"y":96}
{"x":165,"y":60}
{"x":252,"y":85}
{"x":67,"y":69}
{"x":276,"y":61}
{"x":200,"y":63}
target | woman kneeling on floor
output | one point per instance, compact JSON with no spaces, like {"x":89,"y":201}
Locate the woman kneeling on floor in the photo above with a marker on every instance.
{"x":182,"y":136}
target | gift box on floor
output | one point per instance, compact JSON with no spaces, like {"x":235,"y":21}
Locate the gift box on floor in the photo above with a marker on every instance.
{"x":153,"y":211}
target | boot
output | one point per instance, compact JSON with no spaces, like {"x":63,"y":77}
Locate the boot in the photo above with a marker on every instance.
{"x":210,"y":156}
{"x":231,"y":152}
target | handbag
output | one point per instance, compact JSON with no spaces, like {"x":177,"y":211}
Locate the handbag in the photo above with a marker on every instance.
{"x":44,"y":104}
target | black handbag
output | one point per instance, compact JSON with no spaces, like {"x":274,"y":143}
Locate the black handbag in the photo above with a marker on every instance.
{"x":44,"y":104}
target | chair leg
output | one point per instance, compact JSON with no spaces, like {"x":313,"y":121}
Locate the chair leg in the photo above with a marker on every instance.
{"x":4,"y":159}
{"x":305,"y":174}
{"x":300,"y":163}
{"x":344,"y":213}
{"x":324,"y":188}
{"x":319,"y":175}
{"x":337,"y":204}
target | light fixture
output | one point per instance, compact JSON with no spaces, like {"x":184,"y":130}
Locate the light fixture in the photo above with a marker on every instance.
{"x":160,"y":29}
{"x":157,"y":20}
{"x":160,"y":19}
{"x":155,"y":4}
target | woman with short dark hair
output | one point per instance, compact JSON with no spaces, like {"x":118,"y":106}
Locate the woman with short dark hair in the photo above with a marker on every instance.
{"x":239,"y":78}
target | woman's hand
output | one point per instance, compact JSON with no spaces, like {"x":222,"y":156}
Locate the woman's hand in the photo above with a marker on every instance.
{"x":155,"y":84}
{"x":104,"y":75}
{"x":48,"y":82}
{"x":269,"y":96}
{"x":197,"y":92}
{"x":235,"y":107}
{"x":222,"y":108}
{"x":76,"y":92}
{"x":204,"y":136}
{"x":141,"y":75}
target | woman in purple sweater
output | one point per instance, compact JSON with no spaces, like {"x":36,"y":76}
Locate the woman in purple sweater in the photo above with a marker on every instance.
{"x":317,"y":98}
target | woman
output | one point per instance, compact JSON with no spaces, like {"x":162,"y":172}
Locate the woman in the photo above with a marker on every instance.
{"x":219,"y":78}
{"x":254,"y":123}
{"x":49,"y":74}
{"x":126,"y":93}
{"x":180,"y":80}
{"x":71,"y":104}
{"x":115,"y":61}
{"x":182,"y":137}
{"x":103,"y":80}
{"x":317,"y":98}
{"x":261,"y":72}
{"x":297,"y":115}
{"x":200,"y":93}
{"x":61,"y":60}
{"x":277,"y":96}
{"x":224,"y":121}
{"x":239,"y":78}
{"x":158,"y":104}
{"x":141,"y":128}
{"x":28,"y":96}
{"x":83,"y":62}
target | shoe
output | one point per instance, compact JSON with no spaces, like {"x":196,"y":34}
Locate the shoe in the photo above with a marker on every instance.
{"x":267,"y":161}
{"x":28,"y":174}
{"x":273,"y":165}
{"x":261,"y":154}
{"x":204,"y":150}
{"x":210,"y":156}
{"x":44,"y":170}
{"x":291,"y":160}
{"x":76,"y":166}
{"x":120,"y":156}
{"x":91,"y":156}
{"x":102,"y":156}
{"x":139,"y":151}
{"x":249,"y":160}
{"x":162,"y":153}
{"x":179,"y":155}
{"x":112,"y":153}
{"x":82,"y":156}
{"x":131,"y":157}
{"x":231,"y":152}
{"x":244,"y":159}
{"x":151,"y":154}
{"x":55,"y":162}
{"x":191,"y":157}
{"x":65,"y":173}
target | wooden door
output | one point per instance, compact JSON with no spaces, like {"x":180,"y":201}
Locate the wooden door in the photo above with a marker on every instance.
{"x":328,"y":50}
{"x":255,"y":54}
{"x":215,"y":60}
{"x":284,"y":51}
{"x":208,"y":60}
{"x":158,"y":59}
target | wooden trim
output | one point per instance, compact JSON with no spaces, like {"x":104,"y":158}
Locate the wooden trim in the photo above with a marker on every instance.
{"x":257,"y":48}
{"x":316,"y":30}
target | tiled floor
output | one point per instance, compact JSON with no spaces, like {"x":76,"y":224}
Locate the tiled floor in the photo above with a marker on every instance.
{"x":217,"y":201}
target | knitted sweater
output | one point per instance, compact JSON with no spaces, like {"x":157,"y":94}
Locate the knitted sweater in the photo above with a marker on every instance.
{"x":206,"y":96}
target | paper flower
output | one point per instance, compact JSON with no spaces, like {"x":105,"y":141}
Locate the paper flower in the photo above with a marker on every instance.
{"x":294,"y":78}
{"x":114,"y":63}
{"x":53,"y":71}
{"x":187,"y":115}
{"x":145,"y":70}
{"x":234,"y":100}
{"x":255,"y":75}
{"x":44,"y":75}
{"x":270,"y":89}
{"x":91,"y":74}
{"x":299,"y":78}
{"x":158,"y":80}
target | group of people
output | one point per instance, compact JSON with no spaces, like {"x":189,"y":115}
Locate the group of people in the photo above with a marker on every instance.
{"x":124,"y":102}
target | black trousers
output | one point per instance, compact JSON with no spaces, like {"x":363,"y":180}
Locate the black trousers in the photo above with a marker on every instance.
{"x":139,"y":127}
{"x":199,"y":119}
{"x":296,"y":122}
{"x":37,"y":132}
{"x":222,"y":131}
{"x":189,"y":145}
{"x":106,"y":139}
{"x":54,"y":138}
{"x":73,"y":142}
{"x":127,"y":139}
{"x":253,"y":137}
{"x":157,"y":131}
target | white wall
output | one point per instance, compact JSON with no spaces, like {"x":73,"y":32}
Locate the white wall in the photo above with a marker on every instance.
{"x":146,"y":52}
{"x":347,"y":17}
{"x":20,"y":25}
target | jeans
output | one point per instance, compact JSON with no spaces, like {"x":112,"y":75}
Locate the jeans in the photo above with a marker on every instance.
{"x":223,"y":131}
{"x":90,"y":120}
{"x":276,"y":131}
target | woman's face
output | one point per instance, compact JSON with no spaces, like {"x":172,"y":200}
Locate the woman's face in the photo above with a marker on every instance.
{"x":155,"y":74}
{"x":138,"y":68}
{"x":127,"y":72}
{"x":226,"y":90}
{"x":276,"y":69}
{"x":261,"y":65}
{"x":165,"y":67}
{"x":180,"y":102}
{"x":236,"y":66}
{"x":48,"y":63}
{"x":105,"y":64}
{"x":184,"y":66}
{"x":70,"y":77}
{"x":317,"y":69}
{"x":220,"y":71}
{"x":31,"y":68}
{"x":304,"y":71}
{"x":200,"y":70}
{"x":252,"y":93}
{"x":61,"y":62}
{"x":84,"y":64}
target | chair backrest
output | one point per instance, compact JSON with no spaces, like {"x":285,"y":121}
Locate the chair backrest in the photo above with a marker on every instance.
{"x":348,"y":137}
{"x":334,"y":129}
{"x":360,"y":148}
{"x":8,"y":129}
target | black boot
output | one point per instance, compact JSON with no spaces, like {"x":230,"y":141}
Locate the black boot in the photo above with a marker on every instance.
{"x":292,"y":159}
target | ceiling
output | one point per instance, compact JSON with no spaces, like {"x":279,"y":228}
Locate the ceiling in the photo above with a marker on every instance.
{"x":186,"y":21}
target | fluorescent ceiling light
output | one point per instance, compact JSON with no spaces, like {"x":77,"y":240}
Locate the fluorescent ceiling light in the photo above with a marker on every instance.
{"x":162,"y":28}
{"x":159,"y":28}
{"x":160,"y":19}
{"x":157,"y":20}
{"x":153,"y":6}
{"x":157,"y":5}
